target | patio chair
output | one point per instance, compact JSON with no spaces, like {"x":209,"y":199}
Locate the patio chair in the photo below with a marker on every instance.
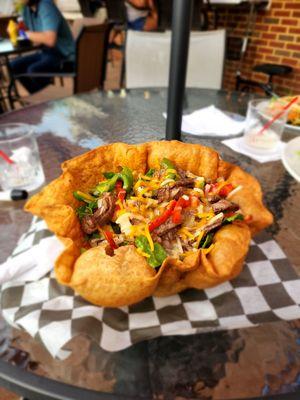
{"x":271,"y":70}
{"x":2,"y":96}
{"x":91,"y":52}
{"x":148,"y":59}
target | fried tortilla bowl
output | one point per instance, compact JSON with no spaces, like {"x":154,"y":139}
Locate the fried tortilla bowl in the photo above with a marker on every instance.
{"x":124,"y":278}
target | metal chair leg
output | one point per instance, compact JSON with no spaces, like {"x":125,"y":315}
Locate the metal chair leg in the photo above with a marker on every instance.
{"x":122,"y":77}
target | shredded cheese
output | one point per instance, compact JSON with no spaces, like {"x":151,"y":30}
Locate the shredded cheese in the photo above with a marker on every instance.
{"x":166,"y":181}
{"x":186,"y":232}
{"x":138,"y":184}
{"x":85,"y":196}
{"x":171,"y":171}
{"x":199,"y":182}
{"x":143,"y":191}
{"x":208,"y":250}
{"x":142,"y":229}
{"x":198,"y":191}
{"x":148,"y":236}
{"x":142,"y":253}
{"x":207,"y":215}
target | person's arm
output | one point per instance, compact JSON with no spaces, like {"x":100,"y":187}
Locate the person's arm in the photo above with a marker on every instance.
{"x":50,"y":18}
{"x":47,"y":38}
{"x":152,"y":20}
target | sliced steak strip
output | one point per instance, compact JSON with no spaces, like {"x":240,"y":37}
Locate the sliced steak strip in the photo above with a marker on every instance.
{"x":213,"y":198}
{"x":106,"y":208}
{"x":224,"y":205}
{"x":166,"y":239}
{"x":168,"y":193}
{"x":88,"y":224}
{"x":187,"y":182}
{"x":182,"y":173}
{"x":211,"y":227}
{"x":174,"y":190}
{"x":104,"y":213}
{"x":165,"y":227}
{"x":215,"y":223}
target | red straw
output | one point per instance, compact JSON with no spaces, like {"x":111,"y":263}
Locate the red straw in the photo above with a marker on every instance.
{"x":268,"y":124}
{"x":5,"y":157}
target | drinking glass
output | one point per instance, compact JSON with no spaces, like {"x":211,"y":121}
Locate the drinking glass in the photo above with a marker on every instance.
{"x":259,"y":113}
{"x":20,"y":164}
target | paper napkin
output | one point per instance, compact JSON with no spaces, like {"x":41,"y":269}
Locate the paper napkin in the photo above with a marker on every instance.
{"x":237,"y":144}
{"x":210,"y":121}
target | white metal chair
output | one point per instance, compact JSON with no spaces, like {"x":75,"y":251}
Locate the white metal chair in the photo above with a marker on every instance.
{"x":6,"y":7}
{"x":70,"y":8}
{"x":148,"y":58}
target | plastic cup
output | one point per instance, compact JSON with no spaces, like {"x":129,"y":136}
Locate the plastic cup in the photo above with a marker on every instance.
{"x":20,"y":164}
{"x":259,"y":113}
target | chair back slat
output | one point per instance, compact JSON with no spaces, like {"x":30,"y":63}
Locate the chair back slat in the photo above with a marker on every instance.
{"x":91,"y":56}
{"x":148,"y":59}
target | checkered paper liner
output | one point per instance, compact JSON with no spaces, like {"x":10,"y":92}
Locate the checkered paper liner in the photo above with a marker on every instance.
{"x":267,"y":290}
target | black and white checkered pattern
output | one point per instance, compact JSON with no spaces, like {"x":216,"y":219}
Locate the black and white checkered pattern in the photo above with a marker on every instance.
{"x":267,"y":290}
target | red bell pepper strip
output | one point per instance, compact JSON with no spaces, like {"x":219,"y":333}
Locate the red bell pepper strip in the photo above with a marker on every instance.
{"x":122,"y":195}
{"x":182,"y":202}
{"x":192,"y":201}
{"x":177,"y":215}
{"x":163,"y":217}
{"x":119,"y":185}
{"x":109,"y":237}
{"x":224,"y":192}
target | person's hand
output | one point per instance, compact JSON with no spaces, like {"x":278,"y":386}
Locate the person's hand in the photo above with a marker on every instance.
{"x":47,"y":38}
{"x":29,"y":36}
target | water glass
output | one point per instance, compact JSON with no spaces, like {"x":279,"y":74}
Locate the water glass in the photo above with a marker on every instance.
{"x":20,"y":163}
{"x":259,"y":113}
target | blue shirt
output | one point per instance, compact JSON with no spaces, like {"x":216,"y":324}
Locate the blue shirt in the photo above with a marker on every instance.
{"x":49,"y":18}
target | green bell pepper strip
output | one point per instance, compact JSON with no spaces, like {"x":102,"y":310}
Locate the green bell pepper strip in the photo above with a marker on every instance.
{"x":150,"y":172}
{"x":160,"y":253}
{"x":207,"y":241}
{"x":167,"y":164}
{"x":142,"y":243}
{"x":108,"y":185}
{"x":125,"y":175}
{"x":86,"y":209}
{"x":235,"y":217}
{"x":108,"y":175}
{"x":157,"y":256}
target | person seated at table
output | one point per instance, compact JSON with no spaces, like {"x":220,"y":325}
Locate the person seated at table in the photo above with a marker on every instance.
{"x":142,"y":15}
{"x":48,"y":29}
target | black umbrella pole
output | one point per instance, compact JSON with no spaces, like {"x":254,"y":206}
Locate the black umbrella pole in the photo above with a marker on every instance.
{"x":181,"y":24}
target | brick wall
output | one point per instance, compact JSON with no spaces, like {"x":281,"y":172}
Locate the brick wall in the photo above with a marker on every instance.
{"x":276,"y":39}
